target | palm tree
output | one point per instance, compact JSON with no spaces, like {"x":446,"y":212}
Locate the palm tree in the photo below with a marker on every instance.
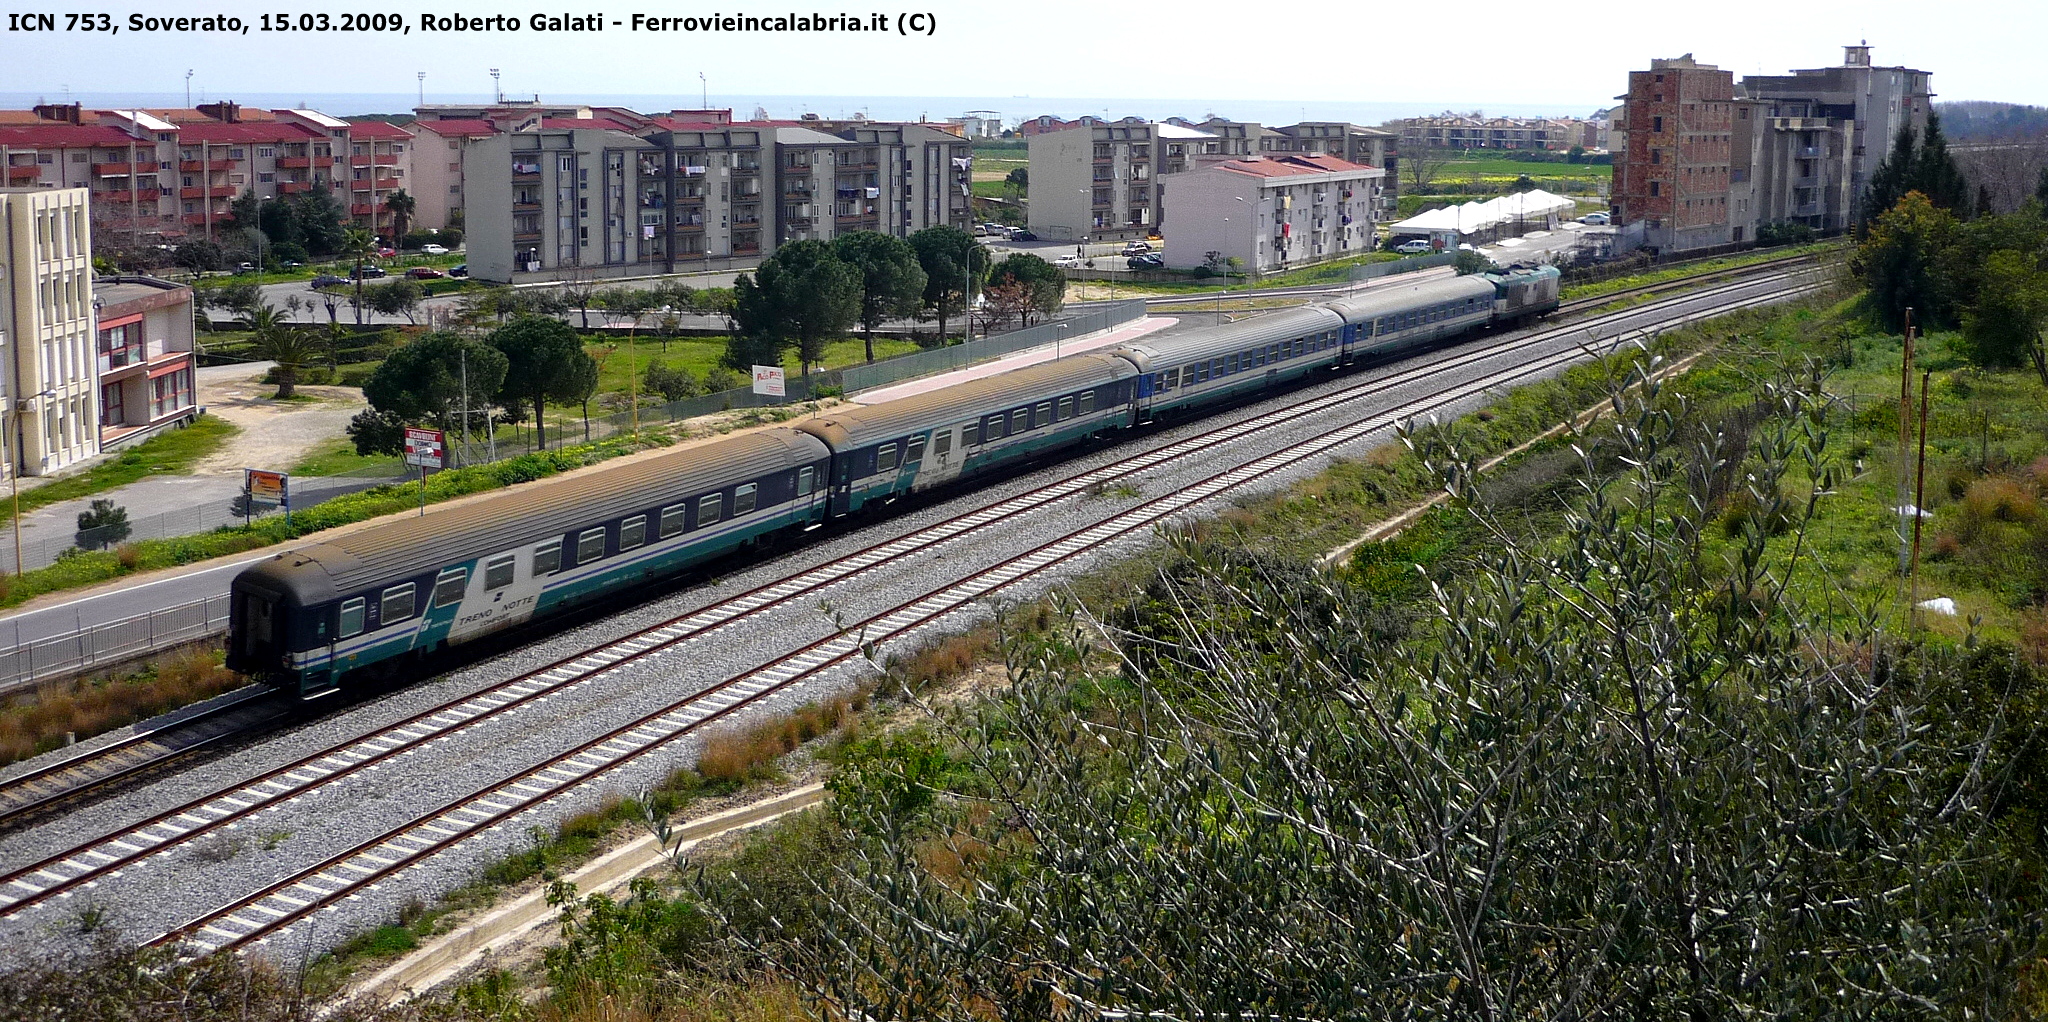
{"x":400,"y":206}
{"x":355,"y":244}
{"x":280,"y":342}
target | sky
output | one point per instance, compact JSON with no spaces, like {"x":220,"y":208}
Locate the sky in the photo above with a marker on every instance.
{"x":1028,"y":56}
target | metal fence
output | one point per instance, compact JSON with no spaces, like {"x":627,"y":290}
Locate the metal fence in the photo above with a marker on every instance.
{"x":513,"y":442}
{"x":71,"y":654}
{"x":1370,"y":271}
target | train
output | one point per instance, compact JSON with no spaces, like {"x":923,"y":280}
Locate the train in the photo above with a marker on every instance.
{"x":316,"y":619}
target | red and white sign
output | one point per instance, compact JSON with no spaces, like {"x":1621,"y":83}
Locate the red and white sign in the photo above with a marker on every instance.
{"x":768,"y":380}
{"x":423,"y":447}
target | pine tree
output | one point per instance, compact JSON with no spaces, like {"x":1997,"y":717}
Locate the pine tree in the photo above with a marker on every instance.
{"x":1935,"y":173}
{"x":2041,"y":188}
{"x":1890,"y":182}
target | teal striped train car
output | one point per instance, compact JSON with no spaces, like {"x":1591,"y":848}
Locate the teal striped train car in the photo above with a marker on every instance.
{"x":401,"y":589}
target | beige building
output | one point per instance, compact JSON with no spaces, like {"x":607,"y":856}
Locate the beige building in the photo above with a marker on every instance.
{"x":440,"y":150}
{"x":47,"y":363}
{"x":1272,"y":213}
{"x":144,"y":364}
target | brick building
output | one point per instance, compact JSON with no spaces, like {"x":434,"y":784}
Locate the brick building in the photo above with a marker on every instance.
{"x":1674,"y":176}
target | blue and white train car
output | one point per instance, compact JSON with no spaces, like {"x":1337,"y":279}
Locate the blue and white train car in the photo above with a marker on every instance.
{"x":885,"y":450}
{"x":1211,"y":364}
{"x":470,"y":568}
{"x":1388,"y":321}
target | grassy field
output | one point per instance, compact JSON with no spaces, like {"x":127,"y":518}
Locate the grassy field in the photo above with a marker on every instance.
{"x":700,"y":355}
{"x":1667,"y":273}
{"x":338,"y":457}
{"x":172,"y":453}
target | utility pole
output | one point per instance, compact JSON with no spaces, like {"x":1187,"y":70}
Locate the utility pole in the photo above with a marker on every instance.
{"x":465,"y":401}
{"x":1906,"y":505}
{"x":1919,"y":491}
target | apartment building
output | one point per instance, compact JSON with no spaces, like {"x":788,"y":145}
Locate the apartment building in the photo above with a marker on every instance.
{"x":1273,"y":212}
{"x":48,"y":419}
{"x":699,"y":191}
{"x":440,"y":151}
{"x":1351,"y":143}
{"x":380,"y":160}
{"x":1101,"y":181}
{"x":1857,"y":107}
{"x":1449,"y":130}
{"x":144,"y":358}
{"x":1674,"y":176}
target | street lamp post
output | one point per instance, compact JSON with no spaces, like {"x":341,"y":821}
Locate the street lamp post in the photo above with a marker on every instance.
{"x":14,"y":473}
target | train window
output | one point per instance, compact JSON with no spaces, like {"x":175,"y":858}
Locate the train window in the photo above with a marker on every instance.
{"x":885,"y":458}
{"x":499,"y":572}
{"x":1066,"y":408}
{"x":672,"y":517}
{"x":1202,"y":372}
{"x":806,"y":480}
{"x":1215,"y":368}
{"x":395,"y":604}
{"x":743,"y":499}
{"x":589,"y":545}
{"x":915,"y":453}
{"x":1020,"y":420}
{"x":1273,"y":352}
{"x":547,"y":558}
{"x":632,"y":532}
{"x":1258,"y":358}
{"x":448,"y":588}
{"x":942,"y":443}
{"x":996,"y":428}
{"x":1087,"y":403}
{"x":351,"y":617}
{"x":1041,"y":415}
{"x":709,"y":507}
{"x":970,"y":434}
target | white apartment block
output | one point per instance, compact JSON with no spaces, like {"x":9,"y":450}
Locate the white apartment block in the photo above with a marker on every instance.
{"x":1273,"y":213}
{"x":588,"y":198}
{"x":1101,"y":181}
{"x":48,"y":368}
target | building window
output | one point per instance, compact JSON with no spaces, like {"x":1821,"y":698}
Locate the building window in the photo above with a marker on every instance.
{"x":265,"y":152}
{"x":1656,"y":188}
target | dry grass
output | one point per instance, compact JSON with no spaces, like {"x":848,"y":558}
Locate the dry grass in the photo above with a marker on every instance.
{"x":738,"y":755}
{"x":37,"y":722}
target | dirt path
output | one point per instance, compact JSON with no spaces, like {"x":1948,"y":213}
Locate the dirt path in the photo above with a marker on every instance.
{"x":275,"y":434}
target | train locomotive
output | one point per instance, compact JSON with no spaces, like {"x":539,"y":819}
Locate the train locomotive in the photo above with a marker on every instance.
{"x":313,"y":618}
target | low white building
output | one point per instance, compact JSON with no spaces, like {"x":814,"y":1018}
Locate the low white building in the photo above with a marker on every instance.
{"x":1273,"y":212}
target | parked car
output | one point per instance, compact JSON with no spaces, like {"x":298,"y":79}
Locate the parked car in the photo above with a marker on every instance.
{"x":328,"y":280}
{"x":424,"y":273}
{"x":1146,"y":262}
{"x":1416,"y":247}
{"x":1068,"y":261}
{"x":1023,"y":236}
{"x":1137,"y":248}
{"x":460,"y":270}
{"x":386,"y":252}
{"x":434,"y":249}
{"x":1596,"y":219}
{"x":368,"y":272}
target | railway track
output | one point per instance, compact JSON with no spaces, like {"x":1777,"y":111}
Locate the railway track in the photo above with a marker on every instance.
{"x":344,"y":874}
{"x":83,"y":865}
{"x":29,"y":795}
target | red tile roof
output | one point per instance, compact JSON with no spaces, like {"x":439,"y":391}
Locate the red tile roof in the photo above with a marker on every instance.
{"x":1292,"y":165}
{"x":187,"y":115}
{"x":604,"y":123}
{"x":266,"y":132}
{"x":376,"y":129}
{"x":65,"y":136}
{"x":450,"y":129}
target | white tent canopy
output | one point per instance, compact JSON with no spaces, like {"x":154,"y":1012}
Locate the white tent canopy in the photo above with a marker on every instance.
{"x":1479,"y":217}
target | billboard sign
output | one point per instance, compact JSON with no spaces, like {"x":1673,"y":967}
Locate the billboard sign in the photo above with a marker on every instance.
{"x":424,"y":448}
{"x":768,"y":381}
{"x":267,"y":487}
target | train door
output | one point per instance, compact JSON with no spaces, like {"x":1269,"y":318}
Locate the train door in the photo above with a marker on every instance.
{"x":256,"y":639}
{"x":503,"y":590}
{"x":842,"y":483}
{"x":809,"y":496}
{"x":944,"y":457}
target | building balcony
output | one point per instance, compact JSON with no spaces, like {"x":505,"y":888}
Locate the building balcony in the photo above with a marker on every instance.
{"x":688,"y":227}
{"x":746,"y":250}
{"x":300,"y":162}
{"x":746,"y":168}
{"x":190,"y":166}
{"x":362,"y":209}
{"x":121,"y":358}
{"x":380,"y":160}
{"x":524,"y":170}
{"x":122,"y":169}
{"x":382,"y":184}
{"x":797,"y":194}
{"x":294,"y":187}
{"x":26,"y":172}
{"x":525,"y":237}
{"x":217,"y":192}
{"x":196,"y":218}
{"x":128,"y":195}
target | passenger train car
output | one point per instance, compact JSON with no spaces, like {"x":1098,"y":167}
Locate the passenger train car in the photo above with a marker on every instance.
{"x":311,"y":618}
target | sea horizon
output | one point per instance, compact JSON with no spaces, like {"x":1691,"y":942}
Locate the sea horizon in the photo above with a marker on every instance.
{"x":791,"y":107}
